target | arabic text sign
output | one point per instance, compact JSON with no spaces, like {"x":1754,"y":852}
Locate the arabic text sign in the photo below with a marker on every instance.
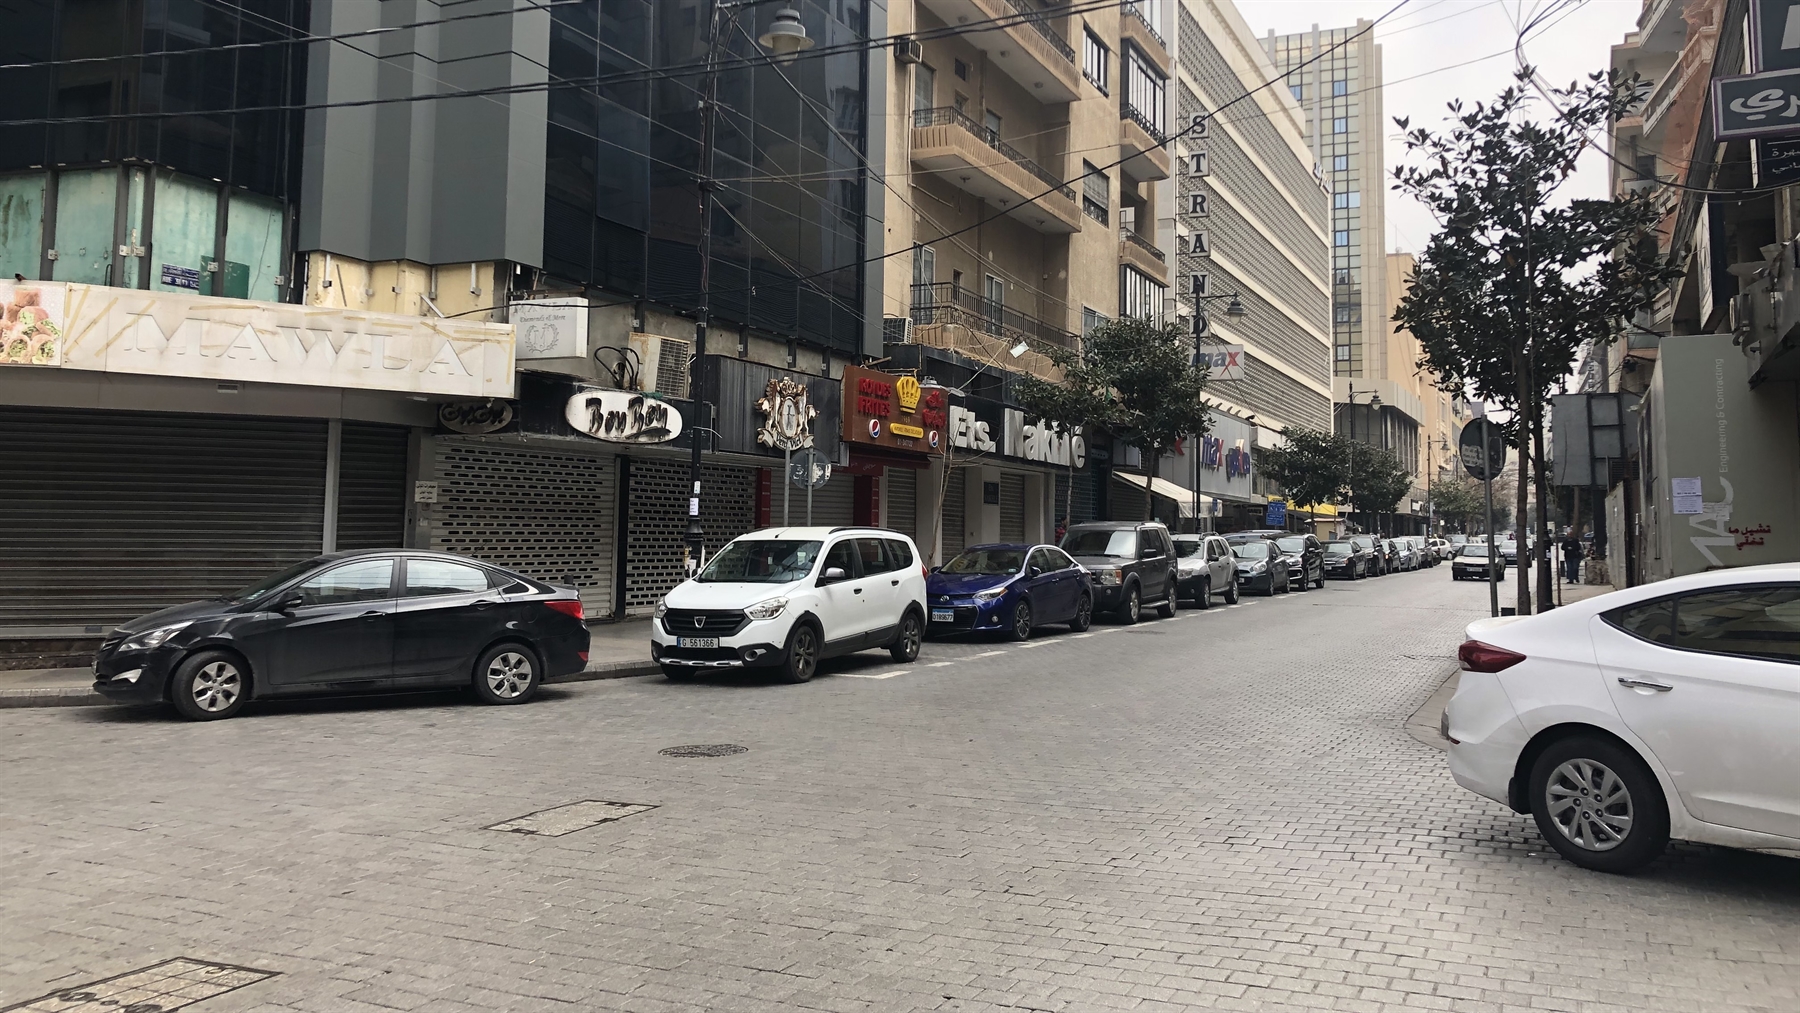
{"x":1774,"y":35}
{"x":1756,"y":105}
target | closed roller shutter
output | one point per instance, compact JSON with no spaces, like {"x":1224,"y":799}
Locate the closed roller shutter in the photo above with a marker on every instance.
{"x":109,"y":515}
{"x":1084,"y":508}
{"x":656,"y":525}
{"x":372,"y":487}
{"x":834,"y":503}
{"x":1012,"y":507}
{"x":546,"y":514}
{"x":902,"y":502}
{"x":954,"y":505}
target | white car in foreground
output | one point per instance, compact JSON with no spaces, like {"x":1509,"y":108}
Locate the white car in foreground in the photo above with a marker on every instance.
{"x":1665,"y":711}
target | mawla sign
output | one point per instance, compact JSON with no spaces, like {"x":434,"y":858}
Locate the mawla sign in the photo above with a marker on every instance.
{"x":170,"y":334}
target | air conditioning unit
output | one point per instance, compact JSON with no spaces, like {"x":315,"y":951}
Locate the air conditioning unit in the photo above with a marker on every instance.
{"x":896,"y":330}
{"x":909,"y":50}
{"x":663,"y":363}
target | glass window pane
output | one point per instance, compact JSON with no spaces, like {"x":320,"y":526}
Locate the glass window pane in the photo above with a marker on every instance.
{"x":182,"y":242}
{"x":442,"y":576}
{"x":363,"y":580}
{"x":253,"y":252}
{"x":874,"y":557}
{"x":86,"y":201}
{"x":1751,"y":622}
{"x":21,"y":225}
{"x":1652,"y":621}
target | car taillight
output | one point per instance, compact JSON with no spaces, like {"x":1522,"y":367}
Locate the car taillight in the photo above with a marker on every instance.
{"x":567,"y":606}
{"x":1476,"y":656}
{"x":924,"y":571}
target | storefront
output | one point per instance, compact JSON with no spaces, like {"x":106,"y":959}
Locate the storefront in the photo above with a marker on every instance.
{"x":894,"y":437}
{"x":158,"y":447}
{"x":1003,"y":470}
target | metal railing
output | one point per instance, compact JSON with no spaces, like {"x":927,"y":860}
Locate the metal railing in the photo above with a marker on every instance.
{"x":1036,"y":18}
{"x":1135,"y":10}
{"x":948,"y":303}
{"x":1128,"y":236}
{"x":1141,"y":118}
{"x":945,"y":116}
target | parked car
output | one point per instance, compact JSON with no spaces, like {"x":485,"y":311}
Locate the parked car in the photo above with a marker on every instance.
{"x":1261,"y":565}
{"x":1405,"y":556}
{"x":1370,"y":545}
{"x":788,"y":598}
{"x":1442,"y":548}
{"x":1390,"y":555}
{"x":1657,"y":712}
{"x":1471,"y":563}
{"x":1009,"y":588}
{"x":1509,"y":549}
{"x":369,"y":620}
{"x":1132,"y":564}
{"x":1306,"y":560}
{"x":1458,"y":540}
{"x":1347,"y":560}
{"x":1204,"y":565}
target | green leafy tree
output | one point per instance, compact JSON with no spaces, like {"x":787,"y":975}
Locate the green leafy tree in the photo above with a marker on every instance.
{"x":1517,"y":278}
{"x":1312,"y":468}
{"x":1377,"y":480}
{"x":1135,"y":378}
{"x":1458,"y":501}
{"x":1082,"y":400}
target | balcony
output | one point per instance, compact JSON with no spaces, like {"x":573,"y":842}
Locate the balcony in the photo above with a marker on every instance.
{"x":971,"y":158}
{"x":1144,"y":255}
{"x":1022,"y":43}
{"x":1135,"y":28}
{"x":1141,"y":151}
{"x":944,"y":303}
{"x":1661,"y":28}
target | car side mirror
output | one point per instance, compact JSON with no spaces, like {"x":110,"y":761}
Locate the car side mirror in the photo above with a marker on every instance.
{"x":1037,"y":571}
{"x":832,"y":574}
{"x":290,"y":603}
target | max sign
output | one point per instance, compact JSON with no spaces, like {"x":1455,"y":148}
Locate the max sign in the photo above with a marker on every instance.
{"x":623,"y":416}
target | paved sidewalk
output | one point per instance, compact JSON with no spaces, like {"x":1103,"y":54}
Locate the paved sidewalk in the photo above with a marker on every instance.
{"x":618,"y":650}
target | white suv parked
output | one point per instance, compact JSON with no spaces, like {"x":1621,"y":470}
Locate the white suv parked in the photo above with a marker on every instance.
{"x":787,"y":597}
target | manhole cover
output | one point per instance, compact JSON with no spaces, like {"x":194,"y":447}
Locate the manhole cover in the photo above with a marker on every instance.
{"x":569,"y":817}
{"x":718,"y":749}
{"x":159,"y":988}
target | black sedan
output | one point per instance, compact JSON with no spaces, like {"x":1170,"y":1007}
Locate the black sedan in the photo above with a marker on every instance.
{"x":350,"y":622}
{"x":1261,"y":567}
{"x":1348,"y":560}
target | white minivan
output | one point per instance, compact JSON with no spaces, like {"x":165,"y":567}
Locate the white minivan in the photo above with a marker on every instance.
{"x":785,"y":598}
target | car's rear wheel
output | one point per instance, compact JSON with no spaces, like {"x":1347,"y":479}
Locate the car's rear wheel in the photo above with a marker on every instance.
{"x":1598,"y":805}
{"x":1084,"y":614}
{"x":1132,"y":607}
{"x":1320,"y":581}
{"x":802,"y":653}
{"x":1231,"y":591}
{"x":209,"y":686}
{"x":507,"y":674}
{"x":1205,"y":597}
{"x":1020,"y":627}
{"x":1168,"y":608}
{"x":905,"y":648}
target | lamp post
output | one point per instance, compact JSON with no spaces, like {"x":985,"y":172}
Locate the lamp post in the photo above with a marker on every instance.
{"x":1202,"y":330}
{"x":785,"y":37}
{"x":1350,"y":399}
{"x":1430,"y":480}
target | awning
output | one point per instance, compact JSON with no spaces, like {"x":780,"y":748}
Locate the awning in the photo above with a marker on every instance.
{"x":1184,"y":498}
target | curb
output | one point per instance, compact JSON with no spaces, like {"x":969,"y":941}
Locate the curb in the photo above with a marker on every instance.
{"x":84,"y":696}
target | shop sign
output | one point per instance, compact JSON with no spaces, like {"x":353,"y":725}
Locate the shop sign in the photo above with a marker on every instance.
{"x":551,"y":328}
{"x":1756,"y":105}
{"x":787,"y":418}
{"x":117,"y":330}
{"x":475,"y":417}
{"x":1224,"y":362}
{"x":1224,"y":459}
{"x":31,"y":329}
{"x":990,"y":427}
{"x":896,"y":412}
{"x":623,"y":416}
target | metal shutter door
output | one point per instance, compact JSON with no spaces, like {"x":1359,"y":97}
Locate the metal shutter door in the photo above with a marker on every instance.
{"x":656,"y":522}
{"x":546,"y":514}
{"x":834,"y":503}
{"x":109,"y":515}
{"x":954,"y":490}
{"x":372,"y":487}
{"x":902,"y":494}
{"x":1012,"y":507}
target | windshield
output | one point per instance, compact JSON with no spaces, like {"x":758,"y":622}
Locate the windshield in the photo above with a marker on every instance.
{"x":1363,"y":543}
{"x":1185,"y":547}
{"x":1291,"y":544}
{"x":1339,"y":549}
{"x":1122,"y":544}
{"x":1251,"y":550}
{"x":267,"y":584}
{"x":761,"y":562}
{"x":1474,"y":552}
{"x":987,"y":561}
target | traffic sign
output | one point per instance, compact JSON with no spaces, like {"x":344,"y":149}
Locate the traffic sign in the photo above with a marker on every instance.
{"x":1275,"y":514}
{"x":1469,"y":446}
{"x":809,"y":469}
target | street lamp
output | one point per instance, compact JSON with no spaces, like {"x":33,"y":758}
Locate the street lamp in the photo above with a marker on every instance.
{"x":1350,"y":399}
{"x":1203,"y":328}
{"x":785,"y":37}
{"x":1430,"y":479}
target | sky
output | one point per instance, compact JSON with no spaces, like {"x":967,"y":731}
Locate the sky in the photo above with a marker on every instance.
{"x":1433,"y":51}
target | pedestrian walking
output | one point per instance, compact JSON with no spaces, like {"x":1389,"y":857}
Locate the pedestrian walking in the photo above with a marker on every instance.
{"x":1572,"y":552}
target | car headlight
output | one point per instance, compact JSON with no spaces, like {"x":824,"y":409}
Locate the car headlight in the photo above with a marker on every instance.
{"x":1258,"y":568}
{"x":990,"y":594}
{"x":662,"y":606}
{"x":153,"y":638}
{"x":1108,"y":577}
{"x":767,"y":609}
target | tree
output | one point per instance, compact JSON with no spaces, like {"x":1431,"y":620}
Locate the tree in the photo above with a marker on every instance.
{"x":1458,"y":501}
{"x":1082,"y":399}
{"x":1135,"y":378}
{"x":1514,"y":281}
{"x":1377,"y":479}
{"x":1312,"y":467}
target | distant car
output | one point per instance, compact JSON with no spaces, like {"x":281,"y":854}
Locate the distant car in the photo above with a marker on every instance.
{"x":787,"y":598}
{"x":1442,"y":548}
{"x":1012,"y":589}
{"x":1471,"y":563}
{"x":1306,"y":560}
{"x":1344,"y":559}
{"x":1204,"y":566}
{"x":1405,"y":556}
{"x":1261,"y":565}
{"x":1370,"y":545}
{"x":350,"y":622}
{"x":1619,"y":722}
{"x":1459,"y":539}
{"x":1390,"y":554}
{"x":1132,"y":564}
{"x":1509,"y":550}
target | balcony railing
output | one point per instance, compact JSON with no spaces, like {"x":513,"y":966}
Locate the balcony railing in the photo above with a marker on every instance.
{"x":1128,"y":236}
{"x":945,"y":116}
{"x":948,"y":303}
{"x":1141,"y":118}
{"x":1036,"y":18}
{"x":1135,"y":9}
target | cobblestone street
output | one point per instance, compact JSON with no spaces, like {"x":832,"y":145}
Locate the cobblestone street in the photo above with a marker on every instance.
{"x":1223,"y":810}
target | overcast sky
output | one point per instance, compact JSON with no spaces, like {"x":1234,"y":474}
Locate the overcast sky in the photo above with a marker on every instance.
{"x":1432,"y":51}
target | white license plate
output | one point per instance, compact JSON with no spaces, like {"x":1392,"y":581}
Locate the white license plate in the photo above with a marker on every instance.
{"x":696,"y":641}
{"x":943,"y":615}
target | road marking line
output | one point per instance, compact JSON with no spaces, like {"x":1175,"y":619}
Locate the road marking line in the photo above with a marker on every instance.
{"x":873,"y":675}
{"x":1078,"y":636}
{"x":940,"y":664}
{"x":989,"y":654}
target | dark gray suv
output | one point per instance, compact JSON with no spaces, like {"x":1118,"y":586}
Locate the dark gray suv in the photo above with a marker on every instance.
{"x":1132,"y":564}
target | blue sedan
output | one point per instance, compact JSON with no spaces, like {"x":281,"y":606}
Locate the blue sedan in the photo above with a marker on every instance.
{"x":1011,"y":589}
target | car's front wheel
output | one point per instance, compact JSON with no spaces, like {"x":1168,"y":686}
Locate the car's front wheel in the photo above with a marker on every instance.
{"x":1205,"y":597}
{"x":1172,"y":604}
{"x":1598,"y":805}
{"x":1084,"y":614}
{"x":506,"y":674}
{"x":1132,"y":607}
{"x":210,"y":685}
{"x":1020,"y":627}
{"x":905,"y":648}
{"x":802,"y":653}
{"x":1231,"y":590}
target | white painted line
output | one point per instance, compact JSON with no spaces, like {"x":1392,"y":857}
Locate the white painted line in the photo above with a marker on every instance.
{"x":940,"y":664}
{"x":1078,"y":636}
{"x":989,"y":654}
{"x":874,"y":675}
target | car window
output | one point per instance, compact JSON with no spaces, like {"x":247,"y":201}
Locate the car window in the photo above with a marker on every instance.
{"x":1187,"y":548}
{"x":363,"y":580}
{"x":443,"y":576}
{"x":1760,"y":621}
{"x":1153,"y":543}
{"x":1652,"y":620}
{"x":1101,"y":543}
{"x":761,"y":561}
{"x":987,"y":561}
{"x":899,"y":554}
{"x":843,"y":556}
{"x":873,"y":553}
{"x":270,"y":583}
{"x":1040,"y":560}
{"x":1292,"y":544}
{"x":1251,"y":550}
{"x":1059,"y":559}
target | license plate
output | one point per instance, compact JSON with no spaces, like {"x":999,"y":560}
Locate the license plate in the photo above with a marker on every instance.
{"x":696,"y":641}
{"x":943,"y":615}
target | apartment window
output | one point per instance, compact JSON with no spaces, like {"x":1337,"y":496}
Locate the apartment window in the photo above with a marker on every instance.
{"x":1298,"y":92}
{"x":1340,"y":88}
{"x":1646,"y":166}
{"x":1341,"y":277}
{"x":924,"y":273}
{"x":1139,"y":294}
{"x":1094,"y":60}
{"x":1343,"y":353}
{"x":962,"y":70}
{"x":1143,"y":89}
{"x":962,"y":103}
{"x":1340,"y":238}
{"x":992,"y":121}
{"x":1349,"y":199}
{"x":1096,"y":194}
{"x":1340,"y":125}
{"x":924,"y":84}
{"x":1340,"y":163}
{"x":996,"y":304}
{"x":1090,"y":319}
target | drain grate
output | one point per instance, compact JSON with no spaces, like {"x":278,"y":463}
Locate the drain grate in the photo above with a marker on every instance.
{"x":718,"y":749}
{"x":561,"y":820}
{"x":160,"y":988}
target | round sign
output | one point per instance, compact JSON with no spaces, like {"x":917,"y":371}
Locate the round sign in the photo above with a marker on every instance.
{"x":809,"y":469}
{"x":874,"y":429}
{"x":1482,"y":448}
{"x":932,"y":439}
